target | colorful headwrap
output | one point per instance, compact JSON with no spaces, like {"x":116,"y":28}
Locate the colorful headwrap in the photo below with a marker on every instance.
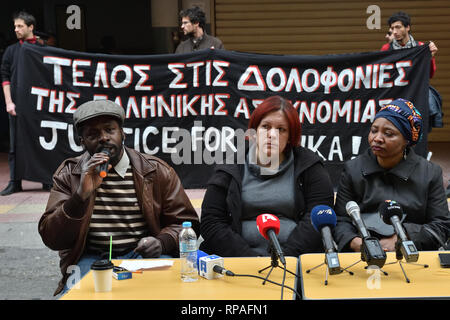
{"x":405,"y":117}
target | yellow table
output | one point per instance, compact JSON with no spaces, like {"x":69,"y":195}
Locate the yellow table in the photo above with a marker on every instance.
{"x":165,"y":284}
{"x":431,"y":282}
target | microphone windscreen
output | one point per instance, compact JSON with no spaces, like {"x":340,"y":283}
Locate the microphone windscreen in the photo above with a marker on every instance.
{"x":200,"y":254}
{"x":322,"y":216}
{"x":266,"y":222}
{"x":388,"y":209}
{"x":352,"y":209}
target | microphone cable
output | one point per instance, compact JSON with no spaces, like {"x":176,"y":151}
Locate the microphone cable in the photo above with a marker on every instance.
{"x":278,"y":284}
{"x":223,"y":271}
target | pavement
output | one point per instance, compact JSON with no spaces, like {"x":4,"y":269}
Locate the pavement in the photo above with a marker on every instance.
{"x":29,"y":270}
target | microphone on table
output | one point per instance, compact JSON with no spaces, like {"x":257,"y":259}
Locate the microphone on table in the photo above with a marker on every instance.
{"x":211,"y":266}
{"x":392,"y":213}
{"x":371,"y":251}
{"x":269,"y":226}
{"x":324,"y":220}
{"x":103,"y":168}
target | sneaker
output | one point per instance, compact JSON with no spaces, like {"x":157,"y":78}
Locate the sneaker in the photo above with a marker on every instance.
{"x":11,"y":188}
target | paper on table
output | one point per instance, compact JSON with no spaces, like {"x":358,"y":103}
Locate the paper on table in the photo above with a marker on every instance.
{"x":134,"y":265}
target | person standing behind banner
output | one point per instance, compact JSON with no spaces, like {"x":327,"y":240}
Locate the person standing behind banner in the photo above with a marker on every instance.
{"x":278,"y":177}
{"x":24,"y":26}
{"x":400,"y":25}
{"x":391,"y":170}
{"x":140,"y":204}
{"x":193,"y":24}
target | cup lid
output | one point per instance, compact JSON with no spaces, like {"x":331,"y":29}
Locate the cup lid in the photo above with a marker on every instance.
{"x":104,"y":264}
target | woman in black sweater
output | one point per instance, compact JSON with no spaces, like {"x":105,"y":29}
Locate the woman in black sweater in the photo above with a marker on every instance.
{"x":278,"y":177}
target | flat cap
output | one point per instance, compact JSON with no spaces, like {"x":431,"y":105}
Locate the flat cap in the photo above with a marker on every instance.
{"x":96,"y":108}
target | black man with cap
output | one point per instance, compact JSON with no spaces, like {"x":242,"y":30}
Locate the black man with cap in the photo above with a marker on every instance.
{"x":140,"y":205}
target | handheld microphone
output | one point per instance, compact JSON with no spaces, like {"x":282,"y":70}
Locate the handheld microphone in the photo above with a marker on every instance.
{"x":103,"y":168}
{"x":371,"y":251}
{"x":324,"y":220}
{"x":391,"y":213}
{"x":269,"y":226}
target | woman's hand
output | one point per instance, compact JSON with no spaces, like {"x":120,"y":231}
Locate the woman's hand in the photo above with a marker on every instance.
{"x":355,"y":244}
{"x":388,"y":244}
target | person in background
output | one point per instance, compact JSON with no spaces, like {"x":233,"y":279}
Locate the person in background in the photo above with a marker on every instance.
{"x":140,"y":204}
{"x":193,"y":24}
{"x":391,"y":170}
{"x":389,"y":36}
{"x":400,"y":26}
{"x":278,"y":177}
{"x":47,"y":38}
{"x":51,"y":40}
{"x":24,"y":26}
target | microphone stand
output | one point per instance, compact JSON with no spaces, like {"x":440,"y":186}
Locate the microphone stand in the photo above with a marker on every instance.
{"x":399,"y":257}
{"x":363,"y":249}
{"x":326,"y":271}
{"x":360,"y":260}
{"x":274,"y":264}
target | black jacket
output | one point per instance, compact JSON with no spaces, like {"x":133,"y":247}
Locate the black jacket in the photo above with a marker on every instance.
{"x":9,"y":65}
{"x":220,"y":224}
{"x":415,"y":183}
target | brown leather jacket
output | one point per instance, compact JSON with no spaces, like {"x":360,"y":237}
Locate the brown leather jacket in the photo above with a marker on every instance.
{"x":161,"y":196}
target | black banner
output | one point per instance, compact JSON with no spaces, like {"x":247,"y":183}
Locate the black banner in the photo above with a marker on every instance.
{"x":191,"y":110}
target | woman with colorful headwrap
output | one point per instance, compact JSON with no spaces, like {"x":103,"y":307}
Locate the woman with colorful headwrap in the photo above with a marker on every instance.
{"x":391,"y":170}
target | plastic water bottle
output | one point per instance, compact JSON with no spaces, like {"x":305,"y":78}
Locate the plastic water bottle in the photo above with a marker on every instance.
{"x":188,"y":253}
